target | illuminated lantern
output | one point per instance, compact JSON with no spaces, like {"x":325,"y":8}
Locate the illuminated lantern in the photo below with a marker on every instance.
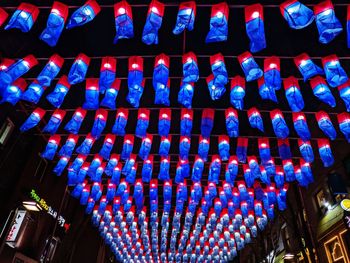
{"x":138,"y":193}
{"x":55,"y":121}
{"x":90,"y":206}
{"x":120,"y":122}
{"x":190,"y":68}
{"x":14,"y":91}
{"x":86,"y":145}
{"x":161,"y":81}
{"x":299,"y":176}
{"x":135,"y":80}
{"x":254,"y":167}
{"x":129,"y":163}
{"x":3,"y":16}
{"x":264,"y":177}
{"x":307,"y":67}
{"x":33,"y":93}
{"x":23,"y":18}
{"x":127,"y":147}
{"x":123,"y":21}
{"x":284,"y":149}
{"x":241,"y":150}
{"x":327,"y":23}
{"x":296,"y":14}
{"x":293,"y":94}
{"x":164,"y":122}
{"x":91,"y":94}
{"x":78,"y":70}
{"x":55,"y":24}
{"x":231,"y":170}
{"x":270,"y":167}
{"x":116,"y":174}
{"x":97,"y":176}
{"x":146,"y":146}
{"x":218,"y":68}
{"x":153,"y":23}
{"x":51,"y":147}
{"x":326,"y":125}
{"x":344,"y":124}
{"x":255,"y":119}
{"x":288,"y":169}
{"x":164,"y":169}
{"x":107,"y":74}
{"x":306,"y":150}
{"x":335,"y":73}
{"x":51,"y":70}
{"x":85,"y":195}
{"x":344,"y":92}
{"x":254,"y":21}
{"x":107,"y":146}
{"x":167,"y":191}
{"x":203,"y":147}
{"x":214,"y":169}
{"x":142,"y":123}
{"x":300,"y":126}
{"x":164,"y":146}
{"x":99,"y":123}
{"x":68,"y":148}
{"x":207,"y":122}
{"x":232,"y":122}
{"x":84,"y":14}
{"x":180,"y":173}
{"x":110,"y":95}
{"x":218,"y":23}
{"x":185,"y":17}
{"x":33,"y":119}
{"x":237,"y":92}
{"x":248,"y":176}
{"x":184,"y":147}
{"x":95,"y":163}
{"x":56,"y":97}
{"x":266,"y":92}
{"x":251,"y":69}
{"x":272,"y":72}
{"x":131,"y":175}
{"x":217,"y":206}
{"x":216,"y":90}
{"x":185,"y":94}
{"x":147,"y":169}
{"x":75,"y":122}
{"x":112,"y":163}
{"x":196,"y":192}
{"x":306,"y":170}
{"x":279,"y":124}
{"x":279,"y":177}
{"x":264,"y":149}
{"x":186,"y":122}
{"x":224,"y":147}
{"x":197,"y":170}
{"x":77,"y":163}
{"x":78,"y":189}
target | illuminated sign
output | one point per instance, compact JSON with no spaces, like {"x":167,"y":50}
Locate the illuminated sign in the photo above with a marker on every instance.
{"x":16,"y":225}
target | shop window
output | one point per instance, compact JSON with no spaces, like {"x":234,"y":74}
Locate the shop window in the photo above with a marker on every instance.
{"x":335,"y":251}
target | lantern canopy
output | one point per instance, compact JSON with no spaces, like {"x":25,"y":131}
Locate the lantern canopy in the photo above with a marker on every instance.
{"x":218,"y":23}
{"x":79,"y":69}
{"x":293,"y":94}
{"x":33,"y":119}
{"x":190,"y":68}
{"x":127,"y":147}
{"x":203,"y":147}
{"x":322,"y":91}
{"x":216,"y":91}
{"x":99,"y":123}
{"x":147,"y":169}
{"x":146,"y":146}
{"x":84,"y":14}
{"x":185,"y":17}
{"x":224,"y":147}
{"x":23,"y":18}
{"x":135,"y":80}
{"x":254,"y":19}
{"x":164,"y":122}
{"x":56,"y":97}
{"x":109,"y":100}
{"x":123,"y":21}
{"x":250,"y":68}
{"x":61,"y":164}
{"x":264,"y":149}
{"x":75,"y":122}
{"x":153,"y":22}
{"x":164,"y":169}
{"x":184,"y":147}
{"x":197,"y":170}
{"x":296,"y":14}
{"x":335,"y":74}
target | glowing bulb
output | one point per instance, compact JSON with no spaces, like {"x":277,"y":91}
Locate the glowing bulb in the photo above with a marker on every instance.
{"x":303,"y":63}
{"x":87,"y":11}
{"x":256,"y":14}
{"x":24,"y":15}
{"x":219,"y":14}
{"x":135,"y":66}
{"x":107,"y":65}
{"x":154,"y":9}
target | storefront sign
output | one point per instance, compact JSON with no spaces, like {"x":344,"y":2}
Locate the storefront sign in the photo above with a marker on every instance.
{"x":16,"y":225}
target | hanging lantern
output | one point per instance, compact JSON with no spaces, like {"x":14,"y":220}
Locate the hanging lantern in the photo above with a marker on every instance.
{"x":138,"y":194}
{"x":77,"y":163}
{"x":167,"y":191}
{"x":186,"y":122}
{"x":217,"y":63}
{"x":207,"y":122}
{"x":117,"y":171}
{"x":266,"y":92}
{"x":216,"y":90}
{"x":325,"y":152}
{"x":237,"y":92}
{"x":327,"y":23}
{"x":164,"y":169}
{"x":95,"y":163}
{"x":344,"y":92}
{"x":99,"y":123}
{"x":203,"y":147}
{"x":84,"y":14}
{"x":85,"y":195}
{"x":161,"y":82}
{"x":75,"y":122}
{"x":91,"y":94}
{"x":78,"y":70}
{"x":326,"y":125}
{"x":135,"y":80}
{"x":153,"y":22}
{"x":107,"y":73}
{"x":248,"y":176}
{"x":179,"y":173}
{"x":232,"y":122}
{"x":184,"y":147}
{"x":3,"y":16}
{"x":120,"y":122}
{"x":51,"y":147}
{"x":272,"y":72}
{"x":293,"y":94}
{"x":107,"y":146}
{"x":255,"y":119}
{"x":68,"y":148}
{"x":306,"y":171}
{"x":335,"y":73}
{"x":129,"y":163}
{"x":251,"y":69}
{"x":146,"y":146}
{"x":241,"y":150}
{"x":270,"y":167}
{"x":279,"y":177}
{"x":306,"y":150}
{"x":264,"y":177}
{"x":23,"y":18}
{"x":61,"y":164}
{"x":299,"y":176}
{"x":264,"y":149}
{"x":185,"y":94}
{"x":231,"y":170}
{"x":127,"y":147}
{"x":284,"y":149}
{"x":218,"y":23}
{"x":214,"y":169}
{"x":344,"y":124}
{"x":164,"y":146}
{"x":78,"y":189}
{"x":130,"y":175}
{"x":33,"y":119}
{"x":197,"y":171}
{"x":56,"y":97}
{"x":300,"y":126}
{"x":254,"y":21}
{"x":14,"y":91}
{"x":112,"y":163}
{"x":288,"y":169}
{"x":33,"y":92}
{"x":279,"y":124}
{"x":51,"y":70}
{"x":142,"y":123}
{"x":307,"y":67}
{"x":86,"y":145}
{"x":296,"y":14}
{"x":123,"y":21}
{"x":224,"y":147}
{"x":185,"y":17}
{"x":190,"y":68}
{"x":147,"y":169}
{"x":111,"y":95}
{"x":55,"y":121}
{"x":164,"y":122}
{"x":254,"y":167}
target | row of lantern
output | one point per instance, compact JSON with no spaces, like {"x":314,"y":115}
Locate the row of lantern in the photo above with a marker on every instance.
{"x":295,"y":13}
{"x":13,"y":87}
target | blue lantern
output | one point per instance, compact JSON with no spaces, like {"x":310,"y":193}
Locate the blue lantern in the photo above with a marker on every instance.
{"x":112,"y":163}
{"x":306,"y":170}
{"x":146,"y":146}
{"x":127,"y":147}
{"x":14,"y":91}
{"x":270,"y":167}
{"x":107,"y":146}
{"x":75,"y":122}
{"x":107,"y":74}
{"x":79,"y":69}
{"x":266,"y":92}
{"x":344,"y":92}
{"x":288,"y":169}
{"x":91,"y":94}
{"x":232,"y":122}
{"x":56,"y":97}
{"x":51,"y":147}
{"x":84,"y":14}
{"x":279,"y":124}
{"x":248,"y":176}
{"x":284,"y":149}
{"x":123,"y":21}
{"x":120,"y":122}
{"x":185,"y":94}
{"x":135,"y":81}
{"x":296,"y":14}
{"x":307,"y":67}
{"x":237,"y":92}
{"x":326,"y":125}
{"x":164,"y":169}
{"x":251,"y":69}
{"x":51,"y":70}
{"x":111,"y":94}
{"x":99,"y":123}
{"x":86,"y":145}
{"x":279,"y":177}
{"x":254,"y":21}
{"x":190,"y":68}
{"x":241,"y":150}
{"x":33,"y":119}
{"x":129,"y":163}
{"x":203,"y":147}
{"x":293,"y":94}
{"x":344,"y":124}
{"x":255,"y":119}
{"x":142,"y":123}
{"x":186,"y":122}
{"x":85,"y":195}
{"x":94,"y":165}
{"x":197,"y":170}
{"x":272,"y":72}
{"x":231,"y":170}
{"x":184,"y":147}
{"x":61,"y":164}
{"x":147,"y":169}
{"x":164,"y":122}
{"x":185,"y":17}
{"x":335,"y":73}
{"x":153,"y":23}
{"x":68,"y":148}
{"x":207,"y":122}
{"x":33,"y":93}
{"x":117,"y":171}
{"x":218,"y":68}
{"x":55,"y":121}
{"x":216,"y":90}
{"x":218,"y":23}
{"x":254,"y":167}
{"x":224,"y":147}
{"x":327,"y":23}
{"x":306,"y":150}
{"x":161,"y":83}
{"x":77,"y":163}
{"x":300,"y":126}
{"x":164,"y":146}
{"x":23,"y":18}
{"x":264,"y":149}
